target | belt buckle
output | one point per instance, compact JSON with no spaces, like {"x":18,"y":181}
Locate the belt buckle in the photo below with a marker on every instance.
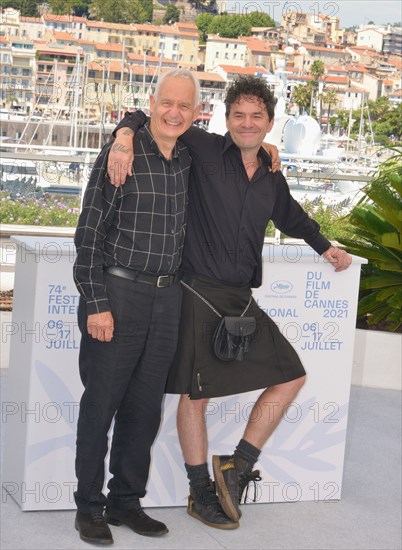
{"x":159,"y":282}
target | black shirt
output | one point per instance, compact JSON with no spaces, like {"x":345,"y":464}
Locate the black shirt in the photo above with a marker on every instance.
{"x":228,"y":213}
{"x":140,"y":225}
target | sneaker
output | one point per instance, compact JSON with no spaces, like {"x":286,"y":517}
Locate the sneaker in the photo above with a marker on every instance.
{"x":93,"y":528}
{"x":231,"y":483}
{"x":205,"y":507}
{"x":137,"y":520}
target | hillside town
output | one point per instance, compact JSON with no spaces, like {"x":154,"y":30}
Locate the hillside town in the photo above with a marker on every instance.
{"x":59,"y":68}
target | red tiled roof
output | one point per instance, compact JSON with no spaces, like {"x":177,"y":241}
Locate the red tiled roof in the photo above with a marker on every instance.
{"x":109,"y":47}
{"x":356,"y":67}
{"x":62,"y":35}
{"x":37,"y":20}
{"x":256,"y":45}
{"x":216,"y":38}
{"x":336,"y":68}
{"x":209,"y":76}
{"x":395,"y":62}
{"x":149,"y":58}
{"x":233,"y":69}
{"x":63,"y":18}
{"x":324,"y":49}
{"x":335,"y":79}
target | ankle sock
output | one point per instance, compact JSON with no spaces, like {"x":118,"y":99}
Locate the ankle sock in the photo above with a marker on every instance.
{"x":247,"y":453}
{"x":198,"y":475}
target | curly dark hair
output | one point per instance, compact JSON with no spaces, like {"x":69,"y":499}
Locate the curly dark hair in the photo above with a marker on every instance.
{"x":251,"y":86}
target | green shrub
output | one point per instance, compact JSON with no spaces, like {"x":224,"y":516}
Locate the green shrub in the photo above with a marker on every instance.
{"x":375,"y":233}
{"x":329,"y":216}
{"x":48,"y":210}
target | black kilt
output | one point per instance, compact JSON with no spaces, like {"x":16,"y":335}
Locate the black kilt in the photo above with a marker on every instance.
{"x":197,"y":372}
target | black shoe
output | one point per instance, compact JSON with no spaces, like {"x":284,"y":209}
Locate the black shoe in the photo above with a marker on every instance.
{"x":137,"y":520}
{"x":205,"y":506}
{"x":231,"y":482}
{"x":93,"y":528}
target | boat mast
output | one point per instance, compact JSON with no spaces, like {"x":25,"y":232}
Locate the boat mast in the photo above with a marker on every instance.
{"x":121,"y":79}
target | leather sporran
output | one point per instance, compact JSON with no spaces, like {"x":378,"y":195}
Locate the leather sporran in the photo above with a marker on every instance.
{"x":232,"y":337}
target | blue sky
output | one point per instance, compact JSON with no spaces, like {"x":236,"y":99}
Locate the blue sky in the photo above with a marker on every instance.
{"x":350,"y":12}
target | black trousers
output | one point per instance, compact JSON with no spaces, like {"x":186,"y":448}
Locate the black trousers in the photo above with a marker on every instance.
{"x":124,"y":379}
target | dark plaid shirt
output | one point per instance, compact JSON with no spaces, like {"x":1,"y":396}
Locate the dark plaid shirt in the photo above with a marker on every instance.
{"x":140,"y":225}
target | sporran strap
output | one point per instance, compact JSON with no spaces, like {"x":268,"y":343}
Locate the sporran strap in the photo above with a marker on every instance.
{"x":210,"y":305}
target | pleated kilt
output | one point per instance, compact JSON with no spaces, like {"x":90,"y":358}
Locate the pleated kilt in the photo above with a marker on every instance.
{"x":197,"y":372}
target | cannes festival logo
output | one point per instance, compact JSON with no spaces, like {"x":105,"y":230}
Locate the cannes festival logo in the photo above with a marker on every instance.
{"x":281,"y":287}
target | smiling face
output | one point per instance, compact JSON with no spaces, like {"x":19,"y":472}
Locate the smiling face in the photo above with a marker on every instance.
{"x":173,"y":110}
{"x":248,"y":123}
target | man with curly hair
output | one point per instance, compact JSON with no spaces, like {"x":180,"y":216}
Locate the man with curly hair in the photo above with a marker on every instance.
{"x":233,"y":195}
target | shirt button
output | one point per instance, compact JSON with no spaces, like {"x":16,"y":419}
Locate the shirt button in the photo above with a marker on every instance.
{"x":172,"y":231}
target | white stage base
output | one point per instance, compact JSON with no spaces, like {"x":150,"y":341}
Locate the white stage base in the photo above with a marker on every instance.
{"x":315,"y":309}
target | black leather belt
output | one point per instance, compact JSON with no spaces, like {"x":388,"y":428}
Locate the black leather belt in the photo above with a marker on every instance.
{"x":160,"y":281}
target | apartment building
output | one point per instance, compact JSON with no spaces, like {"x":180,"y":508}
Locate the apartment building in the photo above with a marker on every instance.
{"x":268,"y":34}
{"x":331,"y":55}
{"x":21,"y":82}
{"x":109,"y":51}
{"x":10,"y":23}
{"x":351,"y":98}
{"x":32,"y":28}
{"x":5,"y":69}
{"x":384,"y":39}
{"x":97,"y":31}
{"x":69,"y":23}
{"x":56,"y":70}
{"x":150,"y":61}
{"x":231,"y":51}
{"x":310,"y":27}
{"x":179,"y":43}
{"x":109,"y":91}
{"x":212,"y":88}
{"x":259,"y":54}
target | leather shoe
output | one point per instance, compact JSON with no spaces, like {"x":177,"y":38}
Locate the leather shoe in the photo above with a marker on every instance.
{"x":137,"y":520}
{"x":93,"y":528}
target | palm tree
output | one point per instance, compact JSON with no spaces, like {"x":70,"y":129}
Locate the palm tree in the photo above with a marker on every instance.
{"x":329,"y":97}
{"x":301,"y":95}
{"x":376,"y":226}
{"x":317,"y":69}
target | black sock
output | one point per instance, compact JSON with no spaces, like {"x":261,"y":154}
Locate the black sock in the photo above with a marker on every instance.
{"x":199,"y":481}
{"x":247,"y":453}
{"x":198,"y":475}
